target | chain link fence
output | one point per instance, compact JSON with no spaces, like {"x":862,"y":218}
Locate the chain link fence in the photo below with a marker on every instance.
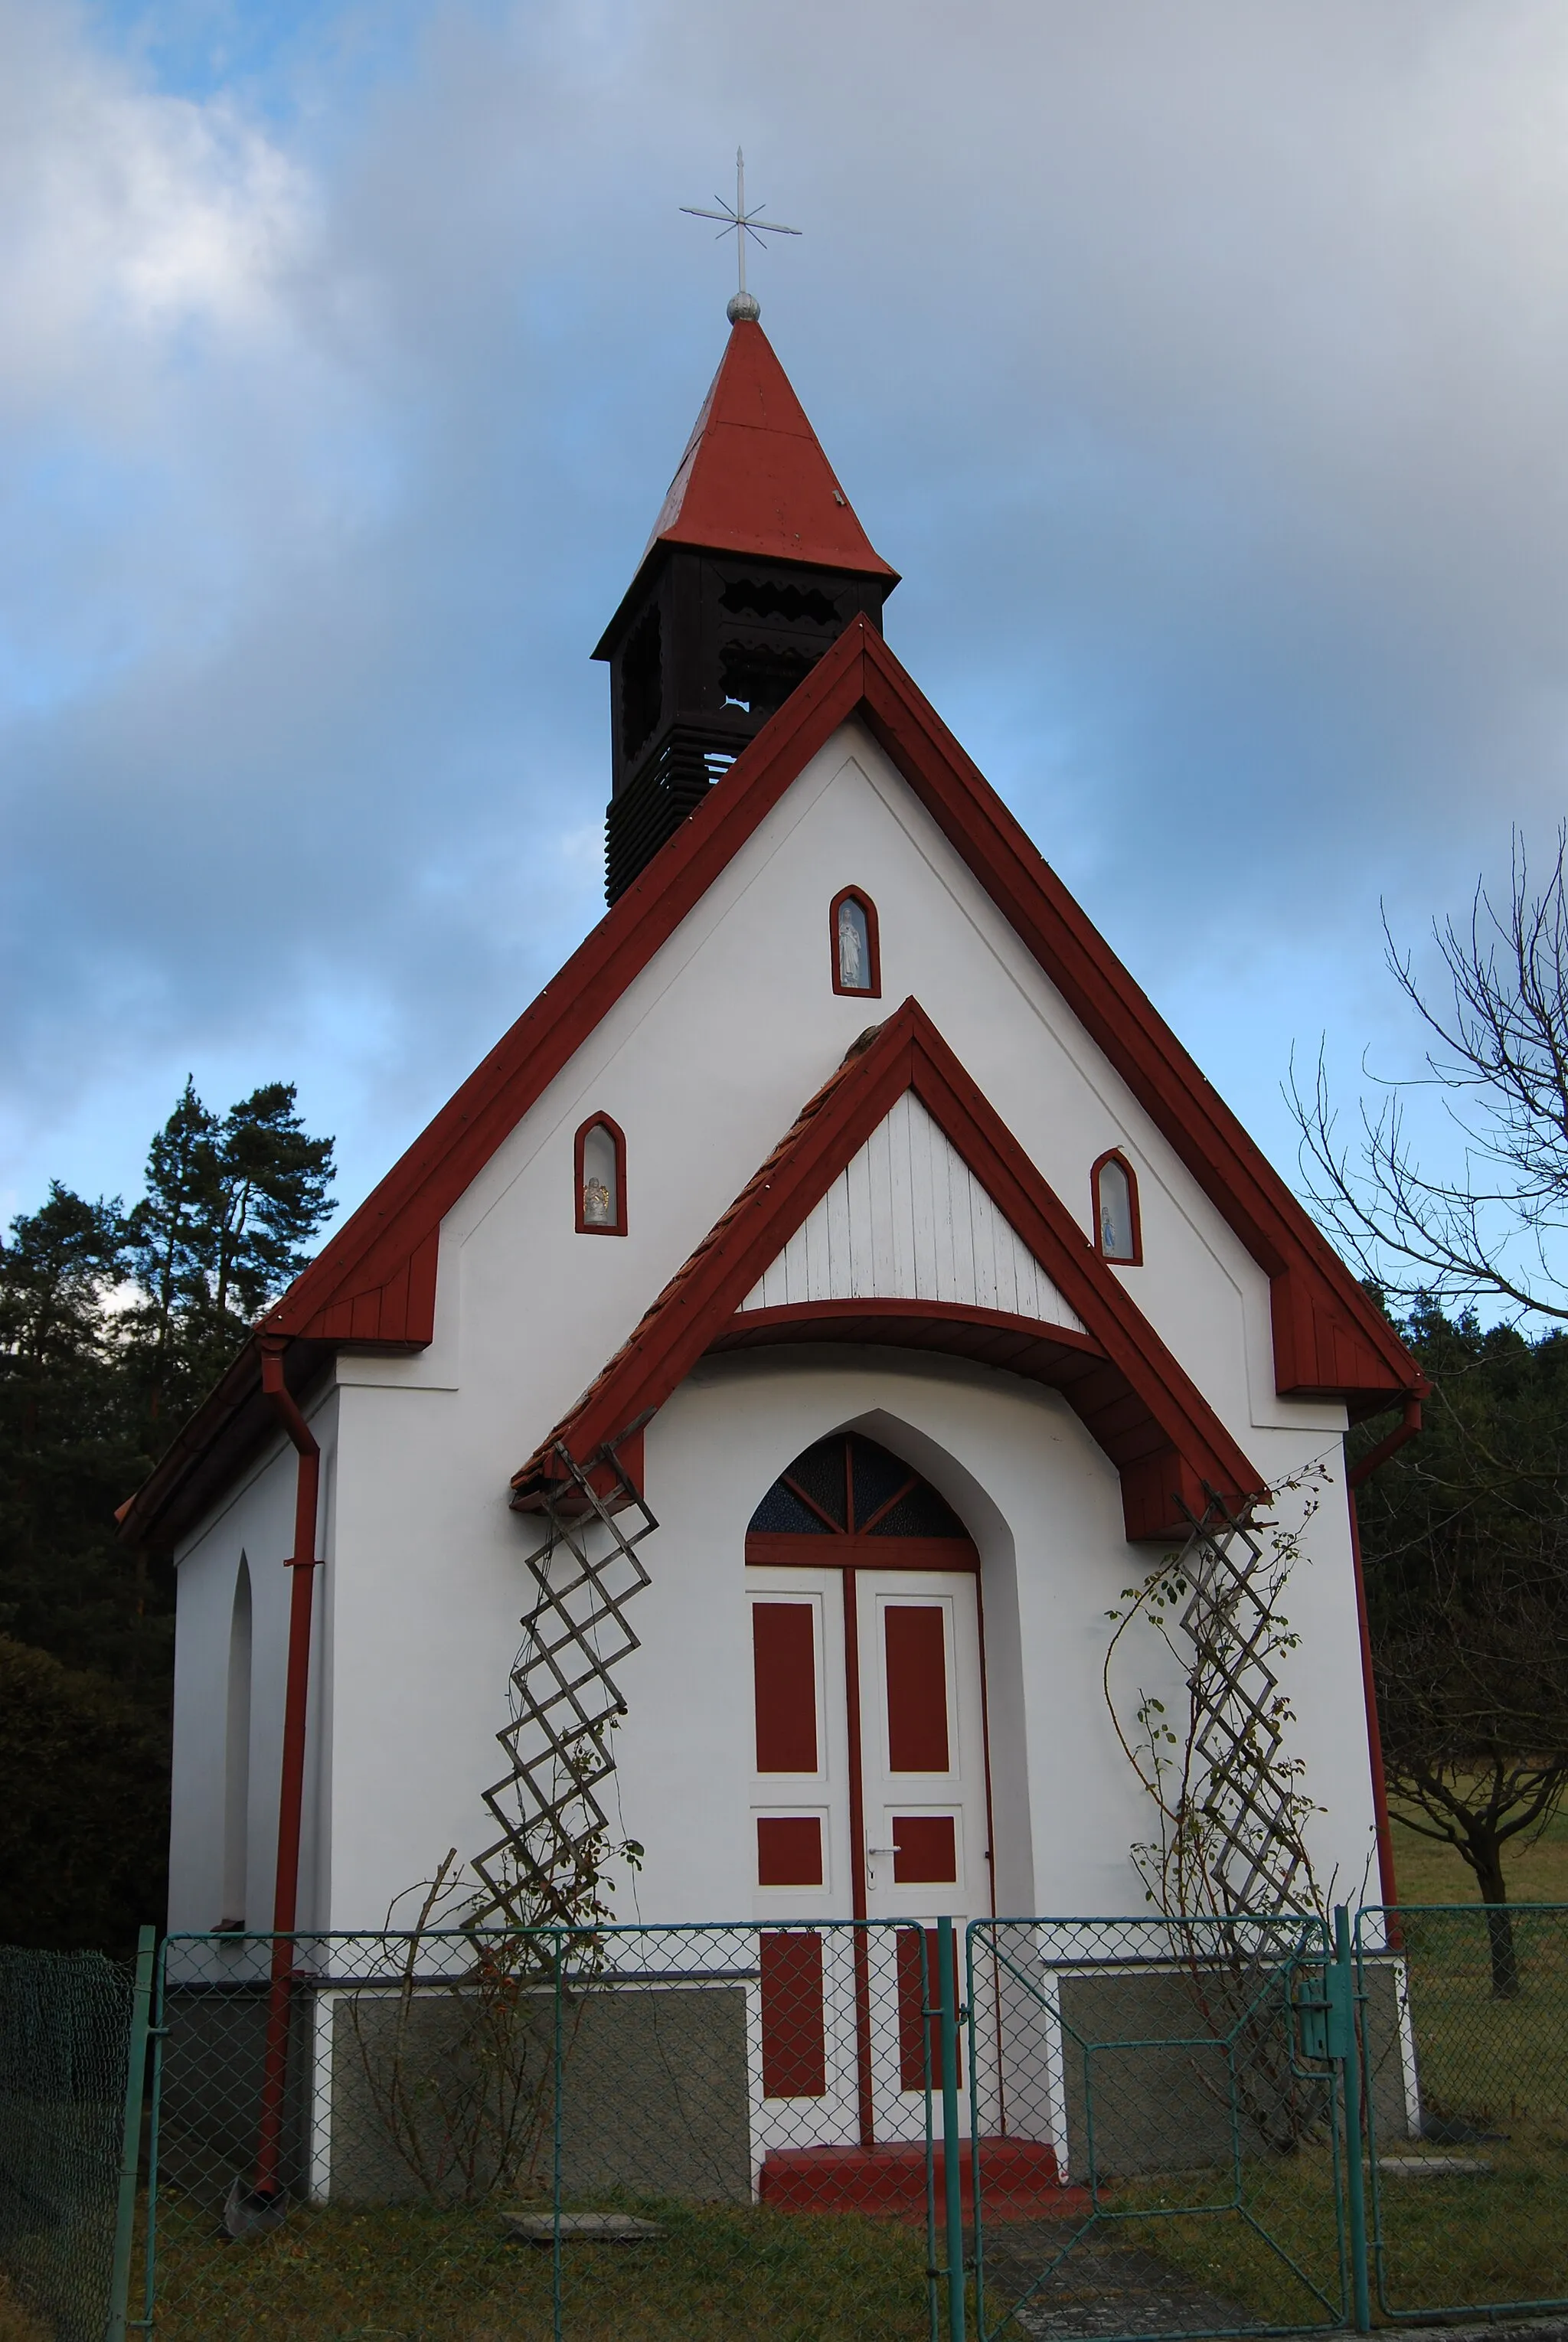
{"x":1467,"y":2137}
{"x":658,"y":2131}
{"x":70,"y":2045}
{"x":740,"y":2131}
{"x":1182,"y":2076}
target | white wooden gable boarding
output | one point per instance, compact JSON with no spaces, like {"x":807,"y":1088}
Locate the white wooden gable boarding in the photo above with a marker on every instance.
{"x":907,"y":1220}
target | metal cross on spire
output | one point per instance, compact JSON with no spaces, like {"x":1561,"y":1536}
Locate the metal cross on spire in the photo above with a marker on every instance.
{"x":744,"y":307}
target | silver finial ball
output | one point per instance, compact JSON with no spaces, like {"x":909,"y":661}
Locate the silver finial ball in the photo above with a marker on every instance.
{"x":743,"y":309}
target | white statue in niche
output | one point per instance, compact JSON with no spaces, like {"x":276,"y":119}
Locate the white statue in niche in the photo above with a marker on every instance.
{"x":853,"y":947}
{"x":1115,"y":1202}
{"x":599,"y":1199}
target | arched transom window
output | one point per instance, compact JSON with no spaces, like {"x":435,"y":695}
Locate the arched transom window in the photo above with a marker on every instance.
{"x":848,"y":1486}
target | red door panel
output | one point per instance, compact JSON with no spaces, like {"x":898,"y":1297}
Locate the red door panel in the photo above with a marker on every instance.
{"x":795,"y":2027}
{"x":915,"y":1981}
{"x":783,"y":1660}
{"x":789,"y":1850}
{"x":916,"y":1687}
{"x":927,"y":1850}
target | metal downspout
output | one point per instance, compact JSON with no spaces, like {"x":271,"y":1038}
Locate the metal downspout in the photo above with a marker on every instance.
{"x":303,"y":1563}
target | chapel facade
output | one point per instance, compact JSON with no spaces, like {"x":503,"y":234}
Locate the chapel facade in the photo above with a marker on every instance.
{"x":818,"y":1309}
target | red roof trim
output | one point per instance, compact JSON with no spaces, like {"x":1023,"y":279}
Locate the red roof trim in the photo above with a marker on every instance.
{"x":374,"y":1282}
{"x":799,"y":1316}
{"x":1329,"y":1337}
{"x":365,"y":1256}
{"x":1142,"y":1407}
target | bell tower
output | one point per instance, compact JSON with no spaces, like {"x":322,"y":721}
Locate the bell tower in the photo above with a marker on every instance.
{"x":755,"y":564}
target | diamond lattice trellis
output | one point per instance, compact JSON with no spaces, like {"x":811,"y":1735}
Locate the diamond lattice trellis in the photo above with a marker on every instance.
{"x":547,"y":1865}
{"x":1240,"y":1781}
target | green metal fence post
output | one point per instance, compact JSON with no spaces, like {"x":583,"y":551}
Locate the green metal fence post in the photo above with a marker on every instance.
{"x":930,"y":2016}
{"x":976,"y":2213}
{"x":952,"y":2170}
{"x":131,"y":2140}
{"x":1343,"y":2047}
{"x":558,"y":2070}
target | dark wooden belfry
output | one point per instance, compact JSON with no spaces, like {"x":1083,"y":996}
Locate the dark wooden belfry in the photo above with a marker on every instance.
{"x":756,"y":563}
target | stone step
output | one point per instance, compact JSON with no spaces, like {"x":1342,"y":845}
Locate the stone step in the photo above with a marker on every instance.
{"x":1019,"y":2179}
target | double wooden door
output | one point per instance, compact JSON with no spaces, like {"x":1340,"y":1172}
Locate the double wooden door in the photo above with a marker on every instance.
{"x":869,"y":1795}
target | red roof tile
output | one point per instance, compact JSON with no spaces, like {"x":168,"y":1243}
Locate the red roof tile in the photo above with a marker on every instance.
{"x":753,"y":479}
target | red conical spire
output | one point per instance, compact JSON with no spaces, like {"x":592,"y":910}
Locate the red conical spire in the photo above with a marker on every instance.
{"x":753,"y":479}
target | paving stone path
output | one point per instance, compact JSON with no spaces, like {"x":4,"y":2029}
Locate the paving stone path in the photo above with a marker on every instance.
{"x":1098,"y":2290}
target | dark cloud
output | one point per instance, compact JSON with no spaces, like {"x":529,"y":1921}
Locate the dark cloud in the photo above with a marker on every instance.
{"x":1203,"y":370}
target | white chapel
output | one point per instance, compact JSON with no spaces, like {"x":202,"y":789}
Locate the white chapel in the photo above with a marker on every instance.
{"x":829,"y":1294}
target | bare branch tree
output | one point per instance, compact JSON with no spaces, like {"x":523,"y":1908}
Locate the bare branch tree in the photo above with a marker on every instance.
{"x":1498,"y":1055}
{"x":1465,"y":1540}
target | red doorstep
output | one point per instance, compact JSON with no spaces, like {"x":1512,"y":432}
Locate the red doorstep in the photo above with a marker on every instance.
{"x":1019,"y":2180}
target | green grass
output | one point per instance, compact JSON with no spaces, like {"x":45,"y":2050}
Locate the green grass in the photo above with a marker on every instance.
{"x":1429,"y":1873}
{"x":1483,"y":2061}
{"x":17,"y":2323}
{"x":1495,"y":2071}
{"x":1486,"y":2242}
{"x":1292,"y":2203}
{"x":418,"y":2274}
{"x":1497,"y":2066}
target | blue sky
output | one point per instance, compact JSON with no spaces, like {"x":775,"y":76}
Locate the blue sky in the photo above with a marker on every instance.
{"x":1203,"y":370}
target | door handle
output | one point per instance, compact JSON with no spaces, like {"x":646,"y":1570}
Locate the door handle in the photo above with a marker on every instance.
{"x":872,"y":1852}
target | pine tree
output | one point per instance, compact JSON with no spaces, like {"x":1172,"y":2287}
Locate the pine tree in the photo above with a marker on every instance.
{"x":111,"y":1328}
{"x":274,"y":1186}
{"x":170,"y":1245}
{"x":69,"y":1442}
{"x":84,"y":1804}
{"x":230,"y":1209}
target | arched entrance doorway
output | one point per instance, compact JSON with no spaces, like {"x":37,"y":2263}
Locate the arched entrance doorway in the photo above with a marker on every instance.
{"x":869,"y":1797}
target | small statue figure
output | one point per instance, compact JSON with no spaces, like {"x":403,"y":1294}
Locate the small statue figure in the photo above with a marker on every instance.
{"x":854,"y":974}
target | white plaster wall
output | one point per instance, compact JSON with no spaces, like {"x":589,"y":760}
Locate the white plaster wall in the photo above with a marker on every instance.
{"x":1044,"y":1508}
{"x":432,"y":1626}
{"x":430,"y":1584}
{"x":708,"y":1056}
{"x":257,"y":1520}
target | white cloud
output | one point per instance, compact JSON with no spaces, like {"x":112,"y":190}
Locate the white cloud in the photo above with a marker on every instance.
{"x":133,"y":219}
{"x":1204,"y":370}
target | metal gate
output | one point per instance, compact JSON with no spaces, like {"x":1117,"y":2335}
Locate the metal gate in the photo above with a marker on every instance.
{"x":1188,"y":2078}
{"x":1466,"y":2108}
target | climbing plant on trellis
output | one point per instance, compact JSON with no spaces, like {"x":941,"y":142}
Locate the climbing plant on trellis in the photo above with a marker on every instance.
{"x":1231,"y":1797}
{"x":548,"y":1868}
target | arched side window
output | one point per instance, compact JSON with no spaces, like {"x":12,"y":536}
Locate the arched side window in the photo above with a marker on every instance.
{"x":1118,"y":1234}
{"x":600,"y":1171}
{"x":238,"y":1758}
{"x":856,"y":956}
